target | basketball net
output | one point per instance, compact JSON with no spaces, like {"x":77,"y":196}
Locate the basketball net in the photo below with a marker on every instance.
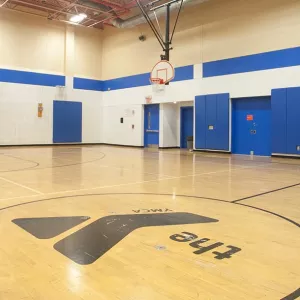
{"x":158,"y":85}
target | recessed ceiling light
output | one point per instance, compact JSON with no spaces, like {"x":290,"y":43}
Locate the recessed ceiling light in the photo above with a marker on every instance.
{"x":78,"y":18}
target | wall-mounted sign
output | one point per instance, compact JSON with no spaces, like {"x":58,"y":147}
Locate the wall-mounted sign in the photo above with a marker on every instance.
{"x":40,"y":110}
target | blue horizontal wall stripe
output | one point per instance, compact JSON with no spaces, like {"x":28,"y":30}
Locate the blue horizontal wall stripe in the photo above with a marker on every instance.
{"x":263,"y":61}
{"x":184,"y":73}
{"x":87,"y":84}
{"x":127,"y":82}
{"x":256,"y":62}
{"x":181,"y":73}
{"x":24,"y":77}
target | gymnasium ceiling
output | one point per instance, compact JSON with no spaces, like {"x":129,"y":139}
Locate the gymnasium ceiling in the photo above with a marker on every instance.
{"x":98,"y":12}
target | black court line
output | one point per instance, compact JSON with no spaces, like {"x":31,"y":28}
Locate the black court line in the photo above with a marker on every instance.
{"x":269,"y":212}
{"x":265,"y":193}
{"x":292,"y":296}
{"x":154,"y":194}
{"x":36,"y":164}
{"x":105,"y":194}
{"x":34,"y":168}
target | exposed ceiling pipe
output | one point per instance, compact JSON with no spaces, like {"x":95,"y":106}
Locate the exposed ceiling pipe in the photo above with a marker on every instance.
{"x":95,"y":5}
{"x":46,"y":9}
{"x":137,"y":20}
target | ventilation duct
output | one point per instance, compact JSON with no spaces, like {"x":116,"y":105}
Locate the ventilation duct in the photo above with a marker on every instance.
{"x":140,"y":19}
{"x":92,"y":4}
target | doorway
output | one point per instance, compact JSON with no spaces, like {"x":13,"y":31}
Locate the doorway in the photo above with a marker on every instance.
{"x":151,"y":125}
{"x":186,"y":124}
{"x":251,"y":126}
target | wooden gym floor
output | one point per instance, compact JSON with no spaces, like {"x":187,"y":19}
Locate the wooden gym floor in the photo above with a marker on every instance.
{"x":100,"y":222}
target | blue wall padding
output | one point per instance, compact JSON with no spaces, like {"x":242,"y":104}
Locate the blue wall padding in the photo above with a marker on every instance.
{"x":212,"y":122}
{"x":286,"y":120}
{"x":279,"y":121}
{"x":67,"y":122}
{"x":293,"y":120}
{"x":200,"y":122}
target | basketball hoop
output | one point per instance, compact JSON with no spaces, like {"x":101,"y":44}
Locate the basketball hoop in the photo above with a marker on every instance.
{"x":162,"y":70}
{"x":162,"y":73}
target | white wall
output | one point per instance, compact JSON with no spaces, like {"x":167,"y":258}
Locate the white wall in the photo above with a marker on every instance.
{"x":213,"y":30}
{"x":115,"y":132}
{"x":258,"y":83}
{"x":117,"y":101}
{"x":24,"y":44}
{"x":19,"y":124}
{"x":102,"y":111}
{"x":168,"y":128}
{"x":34,"y":44}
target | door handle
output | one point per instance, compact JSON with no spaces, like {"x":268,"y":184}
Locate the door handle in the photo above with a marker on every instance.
{"x":149,"y":120}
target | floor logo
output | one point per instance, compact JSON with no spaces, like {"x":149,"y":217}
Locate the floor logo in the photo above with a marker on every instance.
{"x":88,"y":244}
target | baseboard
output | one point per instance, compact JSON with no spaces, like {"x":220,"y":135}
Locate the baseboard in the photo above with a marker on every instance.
{"x":212,"y":151}
{"x":49,"y":145}
{"x":165,"y":148}
{"x":291,"y":156}
{"x":120,"y":145}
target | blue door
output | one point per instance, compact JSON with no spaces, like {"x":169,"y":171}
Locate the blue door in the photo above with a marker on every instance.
{"x":251,"y":126}
{"x":186,"y":121}
{"x":67,"y":122}
{"x":151,"y":125}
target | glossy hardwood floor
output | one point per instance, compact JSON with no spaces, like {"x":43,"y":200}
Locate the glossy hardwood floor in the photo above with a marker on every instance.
{"x":100,"y":222}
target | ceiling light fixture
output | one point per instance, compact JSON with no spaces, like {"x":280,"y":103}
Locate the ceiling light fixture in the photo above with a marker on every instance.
{"x":78,"y":18}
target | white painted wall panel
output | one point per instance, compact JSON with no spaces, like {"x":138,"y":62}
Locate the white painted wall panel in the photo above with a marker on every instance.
{"x":102,"y":111}
{"x":168,"y":127}
{"x":238,"y":85}
{"x":258,"y":83}
{"x":115,"y":132}
{"x":19,"y":124}
{"x":91,"y":114}
{"x":176,"y":91}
